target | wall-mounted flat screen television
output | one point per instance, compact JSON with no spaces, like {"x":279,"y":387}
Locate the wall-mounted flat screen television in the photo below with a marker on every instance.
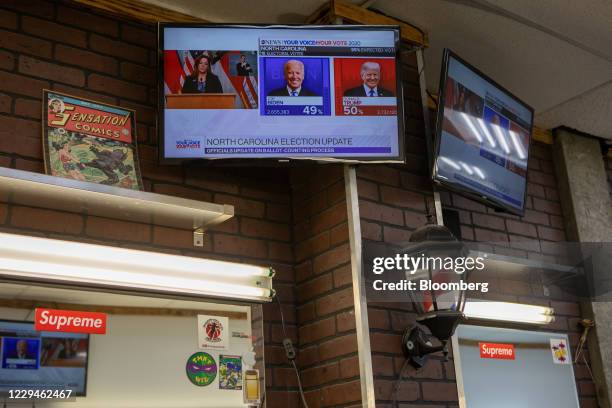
{"x":483,"y":134}
{"x":280,"y":92}
{"x":34,"y":360}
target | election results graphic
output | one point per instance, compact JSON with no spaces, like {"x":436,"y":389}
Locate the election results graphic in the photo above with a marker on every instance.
{"x":272,"y":92}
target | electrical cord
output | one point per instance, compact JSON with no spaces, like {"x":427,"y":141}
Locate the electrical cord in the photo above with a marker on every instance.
{"x":290,"y":353}
{"x":398,"y":383}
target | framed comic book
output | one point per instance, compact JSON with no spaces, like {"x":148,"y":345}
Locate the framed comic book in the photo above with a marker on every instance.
{"x":90,"y":141}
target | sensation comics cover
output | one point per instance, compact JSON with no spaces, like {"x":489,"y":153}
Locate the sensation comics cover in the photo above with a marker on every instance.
{"x":90,"y":141}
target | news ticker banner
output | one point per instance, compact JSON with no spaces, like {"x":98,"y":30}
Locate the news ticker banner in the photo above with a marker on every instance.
{"x":400,"y":273}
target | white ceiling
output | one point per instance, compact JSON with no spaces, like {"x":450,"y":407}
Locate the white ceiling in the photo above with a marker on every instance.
{"x":554,"y":54}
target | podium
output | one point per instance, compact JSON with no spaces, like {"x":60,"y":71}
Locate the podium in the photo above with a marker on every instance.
{"x":201,"y":101}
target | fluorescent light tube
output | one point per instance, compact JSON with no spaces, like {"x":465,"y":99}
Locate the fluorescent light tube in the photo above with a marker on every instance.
{"x":509,"y":312}
{"x":44,"y":259}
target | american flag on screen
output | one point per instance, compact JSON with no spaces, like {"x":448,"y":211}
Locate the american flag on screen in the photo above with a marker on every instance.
{"x":179,"y":64}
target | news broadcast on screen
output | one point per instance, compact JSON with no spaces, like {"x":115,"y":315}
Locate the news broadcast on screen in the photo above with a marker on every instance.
{"x":281,"y":92}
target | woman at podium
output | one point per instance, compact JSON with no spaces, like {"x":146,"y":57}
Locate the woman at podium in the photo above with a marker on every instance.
{"x":202,"y":80}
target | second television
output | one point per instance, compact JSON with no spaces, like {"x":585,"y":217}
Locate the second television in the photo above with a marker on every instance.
{"x":280,"y":92}
{"x":483,"y":134}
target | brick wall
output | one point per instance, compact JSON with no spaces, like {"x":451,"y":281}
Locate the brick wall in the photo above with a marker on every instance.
{"x":327,"y":338}
{"x":56,"y":46}
{"x":392,"y":205}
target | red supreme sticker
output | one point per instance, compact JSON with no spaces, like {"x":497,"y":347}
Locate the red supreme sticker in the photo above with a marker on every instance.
{"x":70,"y":321}
{"x":497,"y":351}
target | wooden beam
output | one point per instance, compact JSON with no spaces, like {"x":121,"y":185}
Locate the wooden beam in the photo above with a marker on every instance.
{"x":328,"y":12}
{"x":356,"y":14}
{"x":539,"y":134}
{"x":119,"y":310}
{"x":138,"y":10}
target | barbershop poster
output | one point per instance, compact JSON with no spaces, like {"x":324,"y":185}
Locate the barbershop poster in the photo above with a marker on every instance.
{"x":90,"y":141}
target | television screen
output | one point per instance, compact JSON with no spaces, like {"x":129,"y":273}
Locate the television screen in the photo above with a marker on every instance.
{"x":30,"y":359}
{"x":482,"y":137}
{"x":280,"y":92}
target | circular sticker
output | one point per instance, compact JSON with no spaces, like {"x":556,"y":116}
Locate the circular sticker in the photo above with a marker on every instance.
{"x":201,"y":369}
{"x":213,"y":329}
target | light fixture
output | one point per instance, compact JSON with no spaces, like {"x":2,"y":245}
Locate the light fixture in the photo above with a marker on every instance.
{"x":508,"y":312}
{"x":74,"y":263}
{"x":438,"y":310}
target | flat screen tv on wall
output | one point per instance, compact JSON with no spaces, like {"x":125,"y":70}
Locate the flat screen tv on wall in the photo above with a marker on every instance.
{"x":482,"y":139}
{"x":35,"y":360}
{"x":280,"y":92}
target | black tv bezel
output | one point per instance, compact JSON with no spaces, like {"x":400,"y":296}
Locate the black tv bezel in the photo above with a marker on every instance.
{"x":490,"y":201}
{"x":84,"y":394}
{"x":399,"y":159}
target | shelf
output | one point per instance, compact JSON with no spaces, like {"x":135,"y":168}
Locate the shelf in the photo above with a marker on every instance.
{"x":56,"y":193}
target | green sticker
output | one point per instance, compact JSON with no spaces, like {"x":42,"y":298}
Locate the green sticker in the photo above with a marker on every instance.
{"x":201,"y":369}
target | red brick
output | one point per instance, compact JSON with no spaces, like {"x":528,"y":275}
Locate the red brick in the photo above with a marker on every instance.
{"x":488,"y":221}
{"x":242,"y":206}
{"x":28,"y":107}
{"x":329,"y":218}
{"x":557,"y":222}
{"x":35,"y":166}
{"x":402,"y":198}
{"x":535,"y":190}
{"x":382,"y":366}
{"x":138,"y":73}
{"x":317,"y":331}
{"x":566,"y":308}
{"x":378,"y":319}
{"x":117,"y":87}
{"x":345,"y":321}
{"x":51,"y":30}
{"x":283,"y":377}
{"x":46,"y":220}
{"x":3,"y":213}
{"x":336,"y":193}
{"x":342,"y":394}
{"x":521,"y":228}
{"x":335,"y":302}
{"x":88,"y":21}
{"x":25,"y":44}
{"x":117,"y":230}
{"x":343,"y":276}
{"x":7,"y":61}
{"x":349,"y":367}
{"x":278,"y":212}
{"x":58,"y":73}
{"x":331,"y":259}
{"x":5,"y":161}
{"x":280,"y":251}
{"x":265,"y":229}
{"x":371,"y":231}
{"x":547,"y":206}
{"x":39,"y":8}
{"x":551,"y":234}
{"x":439,"y":391}
{"x":379,"y":173}
{"x":215,"y":183}
{"x":414,"y":220}
{"x":87,"y":95}
{"x":338,"y":346}
{"x":535,"y":217}
{"x":22,"y":85}
{"x":146,"y":38}
{"x":20,"y":136}
{"x":467,"y":204}
{"x":552,"y":194}
{"x":373,"y":211}
{"x":86,"y":59}
{"x":396,"y":235}
{"x":307,"y":313}
{"x":303,"y":271}
{"x":407,"y":391}
{"x":155,"y":172}
{"x":401,"y":320}
{"x":310,"y":206}
{"x":386,"y":343}
{"x":541,"y":178}
{"x":367,"y":189}
{"x":524,"y":243}
{"x":235,"y":245}
{"x":118,"y":49}
{"x":467,"y":233}
{"x":339,"y":234}
{"x":282,"y":399}
{"x":315,"y":287}
{"x":8,"y":20}
{"x":483,"y":235}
